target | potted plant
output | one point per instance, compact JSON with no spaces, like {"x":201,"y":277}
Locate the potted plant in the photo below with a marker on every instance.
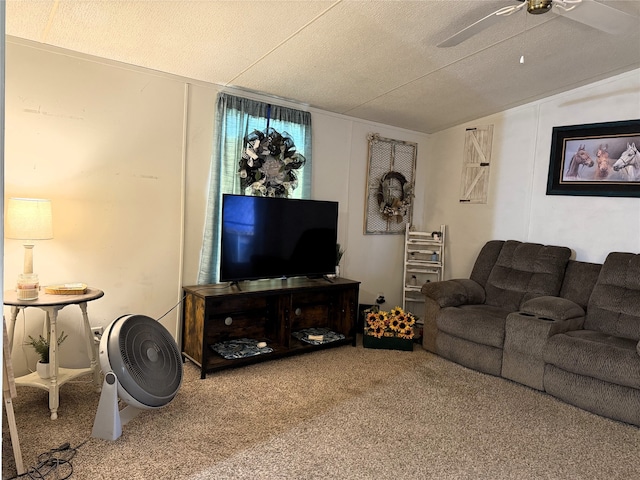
{"x":41,"y":346}
{"x":339,"y":254}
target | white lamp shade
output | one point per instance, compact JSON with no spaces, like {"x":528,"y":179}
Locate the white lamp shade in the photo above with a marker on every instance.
{"x":28,"y":219}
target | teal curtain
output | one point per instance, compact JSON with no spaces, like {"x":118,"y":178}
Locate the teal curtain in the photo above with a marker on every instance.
{"x":235,"y":118}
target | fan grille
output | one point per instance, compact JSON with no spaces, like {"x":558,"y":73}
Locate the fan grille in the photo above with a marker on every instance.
{"x":149,"y":365}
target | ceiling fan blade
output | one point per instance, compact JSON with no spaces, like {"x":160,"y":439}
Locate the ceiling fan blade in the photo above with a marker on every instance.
{"x":599,"y":16}
{"x":478,"y":26}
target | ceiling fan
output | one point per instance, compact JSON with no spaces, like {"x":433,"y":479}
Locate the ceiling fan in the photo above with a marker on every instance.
{"x":588,"y":12}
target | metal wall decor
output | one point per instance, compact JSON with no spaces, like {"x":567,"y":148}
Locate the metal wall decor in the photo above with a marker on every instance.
{"x":390,"y":183}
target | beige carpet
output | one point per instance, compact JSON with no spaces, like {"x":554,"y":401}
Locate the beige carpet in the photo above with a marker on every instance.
{"x":339,"y":413}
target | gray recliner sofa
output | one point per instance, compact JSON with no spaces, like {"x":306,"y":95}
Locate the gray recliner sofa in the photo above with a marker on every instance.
{"x":597,"y":367}
{"x":465,"y":318}
{"x":580,"y":344}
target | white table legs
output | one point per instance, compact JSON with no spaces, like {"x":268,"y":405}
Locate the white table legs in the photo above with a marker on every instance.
{"x":92,"y":349}
{"x":51,"y":327}
{"x":54,"y":388}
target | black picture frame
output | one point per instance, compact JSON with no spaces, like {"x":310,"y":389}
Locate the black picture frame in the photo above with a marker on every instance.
{"x":588,"y":160}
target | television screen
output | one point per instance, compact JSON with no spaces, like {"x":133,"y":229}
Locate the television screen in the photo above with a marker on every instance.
{"x":265,"y":237}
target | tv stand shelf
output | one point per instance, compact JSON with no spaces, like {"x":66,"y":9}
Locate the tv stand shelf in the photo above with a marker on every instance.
{"x":265,"y":310}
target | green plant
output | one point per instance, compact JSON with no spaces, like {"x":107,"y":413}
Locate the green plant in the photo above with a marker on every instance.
{"x":339,"y":254}
{"x":41,"y":345}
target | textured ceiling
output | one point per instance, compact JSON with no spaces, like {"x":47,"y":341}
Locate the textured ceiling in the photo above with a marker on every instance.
{"x":375,"y":60}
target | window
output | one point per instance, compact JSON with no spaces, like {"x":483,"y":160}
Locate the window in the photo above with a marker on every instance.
{"x":236,"y":118}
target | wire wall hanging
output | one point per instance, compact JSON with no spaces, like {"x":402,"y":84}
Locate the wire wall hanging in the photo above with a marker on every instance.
{"x":390,"y":184}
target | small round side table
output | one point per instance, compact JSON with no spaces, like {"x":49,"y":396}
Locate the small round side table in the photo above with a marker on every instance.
{"x":52,"y":304}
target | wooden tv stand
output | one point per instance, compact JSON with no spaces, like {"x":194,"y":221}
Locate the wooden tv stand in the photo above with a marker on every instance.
{"x":265,"y":310}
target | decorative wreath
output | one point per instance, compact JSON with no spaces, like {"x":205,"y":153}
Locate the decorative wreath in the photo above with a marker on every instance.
{"x":268,"y":164}
{"x":391,"y":204}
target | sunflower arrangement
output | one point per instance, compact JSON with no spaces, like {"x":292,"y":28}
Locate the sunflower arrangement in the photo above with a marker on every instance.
{"x":396,"y":323}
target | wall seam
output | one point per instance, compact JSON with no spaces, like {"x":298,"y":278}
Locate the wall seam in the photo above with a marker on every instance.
{"x":183,"y":193}
{"x":532,"y":173}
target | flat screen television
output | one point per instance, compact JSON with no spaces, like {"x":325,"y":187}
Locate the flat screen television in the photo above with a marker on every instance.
{"x":265,"y":237}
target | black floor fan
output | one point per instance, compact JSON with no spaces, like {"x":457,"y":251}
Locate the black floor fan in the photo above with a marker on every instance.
{"x":142,"y":365}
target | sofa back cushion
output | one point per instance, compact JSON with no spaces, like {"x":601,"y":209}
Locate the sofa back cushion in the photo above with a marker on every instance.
{"x":579,"y":280}
{"x":614,"y":305}
{"x":485,"y":262}
{"x":524,"y":271}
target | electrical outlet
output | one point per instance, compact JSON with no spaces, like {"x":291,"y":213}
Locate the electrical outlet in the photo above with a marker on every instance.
{"x":97,"y":333}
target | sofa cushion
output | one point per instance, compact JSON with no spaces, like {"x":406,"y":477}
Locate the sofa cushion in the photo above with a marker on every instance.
{"x":553,"y":308}
{"x":614,"y":306}
{"x":483,"y":324}
{"x":454,"y":292}
{"x":579,"y":280}
{"x":597,"y":355}
{"x":523,"y":271}
{"x":485,"y":261}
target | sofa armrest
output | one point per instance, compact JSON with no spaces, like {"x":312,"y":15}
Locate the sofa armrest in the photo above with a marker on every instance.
{"x":553,"y":308}
{"x":453,"y":293}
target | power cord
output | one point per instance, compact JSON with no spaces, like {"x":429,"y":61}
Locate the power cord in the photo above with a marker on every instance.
{"x":53,"y":464}
{"x":172,"y":308}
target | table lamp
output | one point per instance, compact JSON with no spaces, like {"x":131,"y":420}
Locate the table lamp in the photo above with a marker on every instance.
{"x":28,"y":219}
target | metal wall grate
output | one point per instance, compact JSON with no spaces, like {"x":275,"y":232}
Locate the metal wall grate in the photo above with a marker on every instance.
{"x":388,"y":156}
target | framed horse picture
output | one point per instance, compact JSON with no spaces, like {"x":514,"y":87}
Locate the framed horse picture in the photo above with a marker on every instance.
{"x":597,"y":159}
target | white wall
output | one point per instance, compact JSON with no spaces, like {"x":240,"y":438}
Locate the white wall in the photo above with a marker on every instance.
{"x":112,"y":146}
{"x":105,"y":145}
{"x":518,"y":207}
{"x":592,"y":226}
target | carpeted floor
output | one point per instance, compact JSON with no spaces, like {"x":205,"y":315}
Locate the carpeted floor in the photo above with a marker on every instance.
{"x":343,"y":413}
